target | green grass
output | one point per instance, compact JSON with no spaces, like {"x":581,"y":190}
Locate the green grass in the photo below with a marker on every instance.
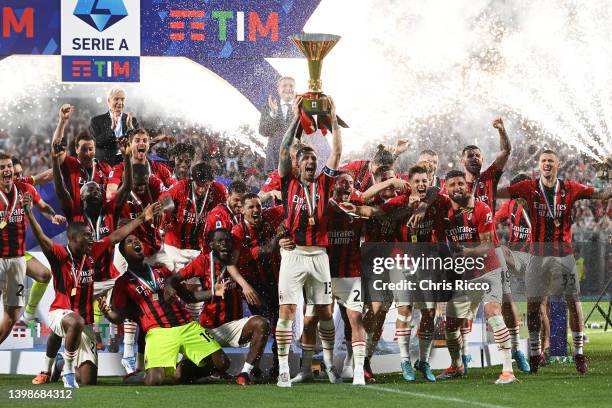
{"x":556,"y":385}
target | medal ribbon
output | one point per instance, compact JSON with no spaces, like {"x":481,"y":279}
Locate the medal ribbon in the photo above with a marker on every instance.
{"x":195,"y":205}
{"x":6,"y":203}
{"x":234,"y":217}
{"x":77,"y":274}
{"x":311,"y":202}
{"x":553,"y":212}
{"x":151,"y":284}
{"x":93,"y":170}
{"x":96,"y":228}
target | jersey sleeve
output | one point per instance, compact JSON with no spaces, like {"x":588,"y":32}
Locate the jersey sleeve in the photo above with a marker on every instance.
{"x":580,"y":191}
{"x":354,"y":166}
{"x":521,"y":189}
{"x":33,"y":192}
{"x":492,"y":172}
{"x":271,"y":183}
{"x":193,"y":269}
{"x":57,"y":253}
{"x":275,"y":215}
{"x":120,"y":296}
{"x":99,"y":248}
{"x":502,"y":213}
{"x":164,"y":174}
{"x":394,"y":204}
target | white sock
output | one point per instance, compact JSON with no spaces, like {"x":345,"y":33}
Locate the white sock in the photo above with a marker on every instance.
{"x":359,"y":353}
{"x":578,"y":338}
{"x":194,"y":310}
{"x":48,"y":365}
{"x":129,"y":335}
{"x":284,"y":336}
{"x":534,"y":344}
{"x":246,"y":368}
{"x":307,"y":353}
{"x":403,"y":340}
{"x":425,"y":343}
{"x":454,"y":342}
{"x":515,"y":338}
{"x":502,"y":338}
{"x":112,"y":333}
{"x":69,"y":360}
{"x":465,"y":333}
{"x":327,"y":333}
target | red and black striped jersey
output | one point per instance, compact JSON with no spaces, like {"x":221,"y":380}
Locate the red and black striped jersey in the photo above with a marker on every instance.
{"x":306,"y":207}
{"x":156,"y":169}
{"x":148,"y":234}
{"x":220,"y":217}
{"x":360,"y":171}
{"x":273,"y":182}
{"x":216,"y":311}
{"x":344,"y":241}
{"x":75,"y":176}
{"x":73,"y":279}
{"x":260,"y":270}
{"x":485,"y":186}
{"x":142,"y":294}
{"x":545,"y":205}
{"x":380,"y":229}
{"x":102,"y":225}
{"x":431,"y":228}
{"x":467,"y":227}
{"x":13,"y":219}
{"x":519,"y":223}
{"x":185,"y":226}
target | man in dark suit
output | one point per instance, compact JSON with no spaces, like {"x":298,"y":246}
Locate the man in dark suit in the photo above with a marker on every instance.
{"x":110,"y":126}
{"x":275,"y":119}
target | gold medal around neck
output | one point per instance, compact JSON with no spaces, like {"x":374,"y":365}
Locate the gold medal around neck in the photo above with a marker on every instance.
{"x":73,"y":292}
{"x":557,"y":222}
{"x":311,"y":221}
{"x":2,"y":225}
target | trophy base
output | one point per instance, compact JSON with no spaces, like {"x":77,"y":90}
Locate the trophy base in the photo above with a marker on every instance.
{"x":318,"y":105}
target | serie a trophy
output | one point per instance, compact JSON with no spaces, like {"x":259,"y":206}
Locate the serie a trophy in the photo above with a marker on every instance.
{"x":604,"y":169}
{"x":315,"y":47}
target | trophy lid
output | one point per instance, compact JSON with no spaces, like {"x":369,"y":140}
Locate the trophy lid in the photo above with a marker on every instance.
{"x":315,"y":46}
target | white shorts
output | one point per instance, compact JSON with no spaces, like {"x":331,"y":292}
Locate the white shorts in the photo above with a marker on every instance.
{"x":104,"y":288}
{"x":464,"y":303}
{"x":87,"y":348}
{"x":551,"y":275}
{"x":505,"y":273}
{"x":304,"y":268}
{"x":12,"y":280}
{"x":180,"y":258}
{"x":160,"y":258}
{"x":347,"y":291}
{"x":228,"y":334}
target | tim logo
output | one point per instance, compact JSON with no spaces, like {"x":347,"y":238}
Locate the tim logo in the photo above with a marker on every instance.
{"x":100,"y":14}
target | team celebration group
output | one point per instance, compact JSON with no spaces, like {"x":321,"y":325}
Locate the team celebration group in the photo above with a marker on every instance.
{"x":174,"y":256}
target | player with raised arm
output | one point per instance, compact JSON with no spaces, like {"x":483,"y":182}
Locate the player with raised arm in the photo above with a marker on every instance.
{"x":223,"y":315}
{"x":552,"y":266}
{"x":13,"y":226}
{"x":306,"y":197}
{"x":169,"y":329}
{"x":73,"y":268}
{"x":469,"y":228}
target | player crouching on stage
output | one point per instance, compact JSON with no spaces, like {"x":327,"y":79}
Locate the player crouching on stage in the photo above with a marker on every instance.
{"x":169,"y":328}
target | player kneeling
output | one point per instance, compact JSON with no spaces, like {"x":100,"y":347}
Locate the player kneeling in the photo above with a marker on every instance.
{"x":222,"y":314}
{"x":168,"y":327}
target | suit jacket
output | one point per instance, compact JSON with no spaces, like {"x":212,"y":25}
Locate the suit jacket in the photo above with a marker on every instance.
{"x":274,"y":129}
{"x":107,"y":149}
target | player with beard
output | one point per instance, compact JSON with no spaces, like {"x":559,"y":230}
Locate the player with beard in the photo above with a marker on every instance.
{"x":363,"y":171}
{"x":483,"y":187}
{"x":401,"y":209}
{"x":223,"y":315}
{"x":552,"y":267}
{"x":182,"y":154}
{"x":193,"y":199}
{"x":139,"y":145}
{"x":431,"y":156}
{"x":76,"y":171}
{"x":170,"y":330}
{"x":259,"y":244}
{"x":228,"y":214}
{"x":470,"y":222}
{"x":13,"y":225}
{"x":306,"y":268}
{"x":39,"y":273}
{"x":271,"y":188}
{"x":73,"y":267}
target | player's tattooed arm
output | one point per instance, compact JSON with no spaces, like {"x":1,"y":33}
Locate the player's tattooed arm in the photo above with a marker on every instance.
{"x":602,"y":193}
{"x":146,"y":216}
{"x":60,"y":189}
{"x":49,"y":213}
{"x":116,"y":316}
{"x":336,"y":146}
{"x":504,"y":144}
{"x":45,"y":242}
{"x":374,"y":190}
{"x":284,"y":162}
{"x":58,"y":135}
{"x":126,"y":181}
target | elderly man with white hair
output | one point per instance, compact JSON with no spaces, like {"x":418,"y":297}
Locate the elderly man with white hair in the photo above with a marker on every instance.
{"x":112,"y":125}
